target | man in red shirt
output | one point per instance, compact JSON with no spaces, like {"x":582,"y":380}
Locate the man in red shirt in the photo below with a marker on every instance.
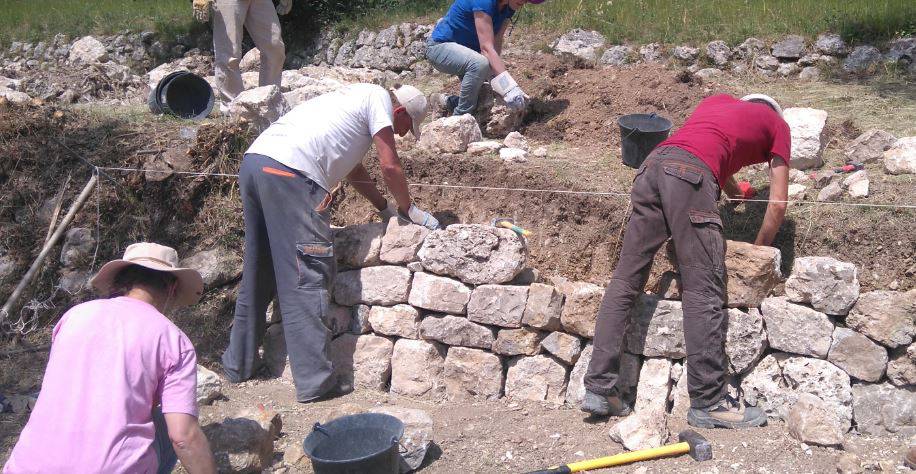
{"x":675,"y":194}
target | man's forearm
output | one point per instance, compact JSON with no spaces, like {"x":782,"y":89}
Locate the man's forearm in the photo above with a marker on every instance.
{"x":361,"y":181}
{"x":497,"y":66}
{"x":397,"y":186}
{"x":772,"y":221}
{"x":195,"y":454}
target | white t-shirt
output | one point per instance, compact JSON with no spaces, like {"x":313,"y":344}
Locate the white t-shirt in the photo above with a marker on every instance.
{"x":326,"y":137}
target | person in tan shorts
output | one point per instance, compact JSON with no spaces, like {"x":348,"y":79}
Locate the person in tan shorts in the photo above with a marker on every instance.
{"x":259,"y":18}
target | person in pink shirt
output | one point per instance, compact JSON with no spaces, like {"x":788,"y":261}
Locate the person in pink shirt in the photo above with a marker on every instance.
{"x":121,"y":380}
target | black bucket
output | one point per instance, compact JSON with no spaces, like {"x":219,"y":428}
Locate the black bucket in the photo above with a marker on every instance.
{"x":182,"y":94}
{"x":639,"y":134}
{"x":366,"y":443}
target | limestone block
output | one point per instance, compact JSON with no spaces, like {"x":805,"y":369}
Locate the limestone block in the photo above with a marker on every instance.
{"x":472,"y":373}
{"x":260,"y":106}
{"x":745,"y":339}
{"x":418,"y":434}
{"x":400,"y":320}
{"x":544,"y":307}
{"x":537,"y":378}
{"x":641,"y":430}
{"x":87,"y":50}
{"x":869,"y":146}
{"x":565,"y":347}
{"x":209,"y":386}
{"x":807,"y":128}
{"x":579,"y":45}
{"x":456,"y":331}
{"x":358,"y":246}
{"x":522,"y":341}
{"x":382,"y":285}
{"x":887,"y":317}
{"x":216,"y":266}
{"x":827,"y":284}
{"x":901,"y":157}
{"x":439,"y":294}
{"x":402,"y":241}
{"x":416,"y":368}
{"x":857,"y":355}
{"x":654,"y":385}
{"x":656,"y":328}
{"x":812,"y":421}
{"x":885,"y":410}
{"x":581,"y":308}
{"x":450,"y":134}
{"x":901,"y":370}
{"x":753,"y":271}
{"x":795,"y":328}
{"x":474,"y":253}
{"x":498,"y":305}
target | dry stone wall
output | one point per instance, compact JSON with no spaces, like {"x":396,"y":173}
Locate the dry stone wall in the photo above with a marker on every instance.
{"x":452,"y":324}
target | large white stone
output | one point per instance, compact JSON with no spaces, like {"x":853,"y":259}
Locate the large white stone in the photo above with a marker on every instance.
{"x":472,"y":373}
{"x":260,"y":106}
{"x":565,"y":347}
{"x":439,"y":294}
{"x":400,"y":320}
{"x":362,"y":361}
{"x":745,"y":340}
{"x":216,"y":266}
{"x":887,"y":317}
{"x":869,"y":146}
{"x":654,"y":385}
{"x":901,"y":157}
{"x":383,"y":285}
{"x":456,"y":331}
{"x":209,"y":386}
{"x":537,"y":378}
{"x":812,"y":421}
{"x":402,"y":241}
{"x":359,"y":245}
{"x":251,"y":60}
{"x":656,"y":328}
{"x":795,"y":328}
{"x":882,"y":409}
{"x":807,"y":128}
{"x":450,"y":134}
{"x":579,"y":45}
{"x":857,"y":355}
{"x":777,"y":381}
{"x":581,"y":308}
{"x":498,"y":305}
{"x":416,"y":368}
{"x":641,"y":430}
{"x":544,"y":307}
{"x":475,"y":254}
{"x":575,"y":390}
{"x":87,"y":50}
{"x":827,"y":284}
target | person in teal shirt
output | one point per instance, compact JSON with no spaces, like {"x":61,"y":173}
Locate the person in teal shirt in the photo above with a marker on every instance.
{"x":467,"y":42}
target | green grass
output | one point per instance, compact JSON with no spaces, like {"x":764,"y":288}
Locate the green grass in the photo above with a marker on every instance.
{"x":32,"y":20}
{"x":690,"y":21}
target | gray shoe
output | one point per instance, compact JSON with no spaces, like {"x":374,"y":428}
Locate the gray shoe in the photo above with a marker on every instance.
{"x":727,"y":413}
{"x":601,"y":405}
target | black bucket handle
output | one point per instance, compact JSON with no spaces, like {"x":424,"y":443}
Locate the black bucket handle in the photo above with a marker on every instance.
{"x":317,"y":427}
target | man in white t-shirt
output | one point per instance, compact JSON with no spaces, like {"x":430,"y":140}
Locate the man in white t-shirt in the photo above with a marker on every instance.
{"x":286,"y":180}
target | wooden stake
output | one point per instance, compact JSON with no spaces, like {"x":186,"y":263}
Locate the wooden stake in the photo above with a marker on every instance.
{"x":36,"y":265}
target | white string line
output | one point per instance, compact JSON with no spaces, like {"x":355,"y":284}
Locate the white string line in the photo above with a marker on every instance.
{"x":537,"y":190}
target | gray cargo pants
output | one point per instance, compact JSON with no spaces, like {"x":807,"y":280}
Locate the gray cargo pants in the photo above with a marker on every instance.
{"x":674,"y":195}
{"x":288,"y":251}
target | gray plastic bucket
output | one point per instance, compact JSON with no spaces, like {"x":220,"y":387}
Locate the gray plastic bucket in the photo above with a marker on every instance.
{"x":639,"y":135}
{"x":366,"y":443}
{"x":182,"y":94}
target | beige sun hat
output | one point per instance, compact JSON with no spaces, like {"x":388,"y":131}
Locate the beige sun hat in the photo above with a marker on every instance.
{"x":764,"y":98}
{"x":414,"y":102}
{"x":154,"y":257}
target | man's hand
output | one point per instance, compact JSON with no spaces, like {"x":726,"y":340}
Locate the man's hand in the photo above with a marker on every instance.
{"x":202,"y":10}
{"x":420,"y":217}
{"x":284,"y":6}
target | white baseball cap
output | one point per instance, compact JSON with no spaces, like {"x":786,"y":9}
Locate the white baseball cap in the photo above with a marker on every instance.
{"x":414,"y":102}
{"x":764,"y":98}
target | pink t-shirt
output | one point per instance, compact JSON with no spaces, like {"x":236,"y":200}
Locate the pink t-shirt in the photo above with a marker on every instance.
{"x":112,"y":361}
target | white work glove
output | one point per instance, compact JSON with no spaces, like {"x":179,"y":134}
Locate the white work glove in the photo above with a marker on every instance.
{"x":202,"y":10}
{"x":284,"y":6}
{"x":504,"y":85}
{"x":388,"y":212}
{"x":420,"y":217}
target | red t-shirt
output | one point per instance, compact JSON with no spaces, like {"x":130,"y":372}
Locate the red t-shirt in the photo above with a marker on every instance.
{"x":728,"y":134}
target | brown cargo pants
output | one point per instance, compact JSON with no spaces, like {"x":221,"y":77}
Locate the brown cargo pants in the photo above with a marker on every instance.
{"x":674,"y":195}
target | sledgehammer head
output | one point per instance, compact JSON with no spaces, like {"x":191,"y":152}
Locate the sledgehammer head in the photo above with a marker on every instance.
{"x":700,"y":449}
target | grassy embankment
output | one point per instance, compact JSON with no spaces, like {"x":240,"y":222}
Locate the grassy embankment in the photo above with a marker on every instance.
{"x":667,"y":21}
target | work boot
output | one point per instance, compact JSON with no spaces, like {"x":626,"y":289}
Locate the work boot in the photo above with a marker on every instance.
{"x":910,"y":458}
{"x":727,"y":413}
{"x":451,"y":103}
{"x":602,"y":405}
